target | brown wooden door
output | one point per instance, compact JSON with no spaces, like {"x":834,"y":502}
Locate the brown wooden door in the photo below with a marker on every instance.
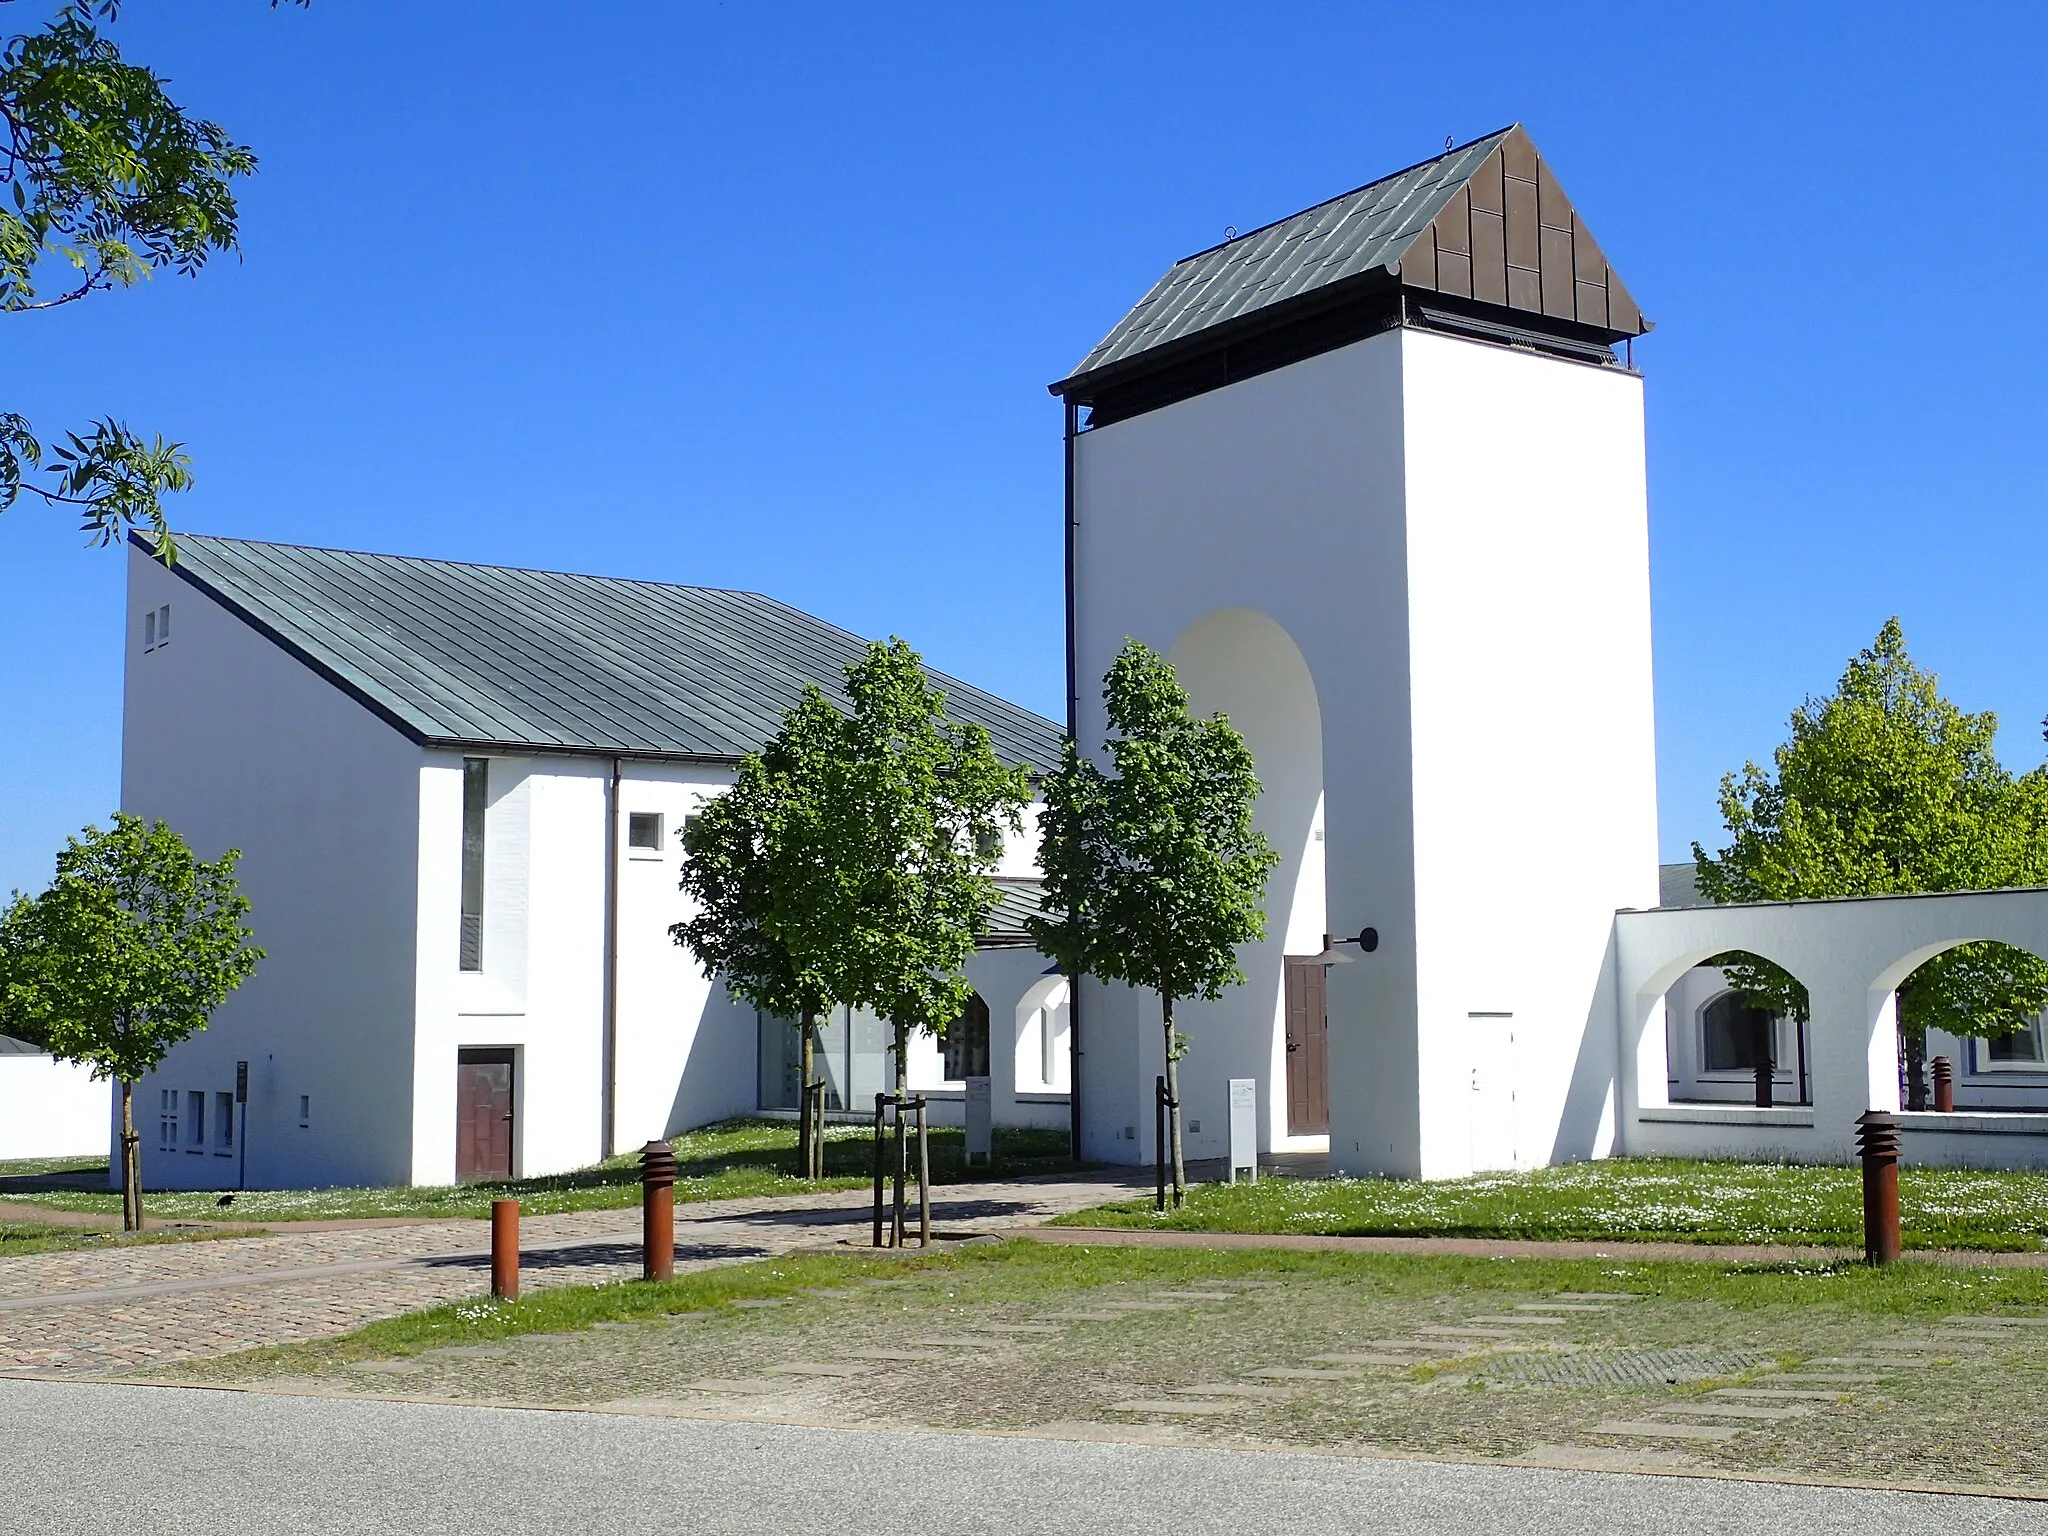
{"x":1308,"y":1048}
{"x":483,"y":1114}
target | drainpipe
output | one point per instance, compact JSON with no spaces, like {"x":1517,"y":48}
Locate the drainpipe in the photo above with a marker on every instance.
{"x":609,"y":1048}
{"x":1073,"y":733}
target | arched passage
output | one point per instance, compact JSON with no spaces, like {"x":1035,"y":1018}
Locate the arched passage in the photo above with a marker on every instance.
{"x":1977,"y":1005}
{"x":1244,"y":664}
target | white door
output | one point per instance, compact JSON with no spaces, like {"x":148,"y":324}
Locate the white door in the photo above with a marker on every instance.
{"x":1492,"y":1090}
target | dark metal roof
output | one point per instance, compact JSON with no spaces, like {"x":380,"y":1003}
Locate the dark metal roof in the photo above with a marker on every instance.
{"x":1484,"y":222}
{"x":1017,"y":900}
{"x":1678,"y":885}
{"x":481,"y":655}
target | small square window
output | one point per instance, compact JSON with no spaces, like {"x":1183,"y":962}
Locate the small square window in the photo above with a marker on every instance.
{"x":223,"y":1123}
{"x":643,"y":831}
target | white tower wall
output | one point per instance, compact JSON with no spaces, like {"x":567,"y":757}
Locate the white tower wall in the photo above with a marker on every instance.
{"x":1448,"y":539}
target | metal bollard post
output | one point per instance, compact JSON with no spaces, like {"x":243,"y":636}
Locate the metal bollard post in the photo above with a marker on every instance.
{"x":505,"y":1249}
{"x":658,"y":1211}
{"x":879,"y":1099}
{"x":1944,"y":1085}
{"x":1877,"y":1138}
{"x":1159,"y":1142}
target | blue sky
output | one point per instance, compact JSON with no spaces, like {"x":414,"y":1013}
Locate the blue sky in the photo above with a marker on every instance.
{"x":767,"y":296}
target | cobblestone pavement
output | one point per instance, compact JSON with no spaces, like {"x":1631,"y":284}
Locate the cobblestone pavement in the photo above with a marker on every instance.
{"x":109,"y":1310}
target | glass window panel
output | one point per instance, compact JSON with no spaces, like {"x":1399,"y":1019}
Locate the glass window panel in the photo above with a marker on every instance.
{"x":1730,"y":1031}
{"x":476,"y":782}
{"x":966,"y":1044}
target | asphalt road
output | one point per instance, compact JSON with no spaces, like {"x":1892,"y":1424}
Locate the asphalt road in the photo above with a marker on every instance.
{"x":79,"y":1457}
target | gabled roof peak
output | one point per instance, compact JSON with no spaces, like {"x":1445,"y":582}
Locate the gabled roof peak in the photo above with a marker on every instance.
{"x":1482,"y":230}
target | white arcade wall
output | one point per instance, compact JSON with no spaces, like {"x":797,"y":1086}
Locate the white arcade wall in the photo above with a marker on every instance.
{"x":1439,"y":548}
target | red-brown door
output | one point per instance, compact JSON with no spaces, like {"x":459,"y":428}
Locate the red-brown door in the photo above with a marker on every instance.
{"x":1308,"y":1048}
{"x":483,"y":1114}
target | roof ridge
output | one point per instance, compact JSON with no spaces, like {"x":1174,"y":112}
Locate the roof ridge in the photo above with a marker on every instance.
{"x":145,"y":541}
{"x":1366,"y":186}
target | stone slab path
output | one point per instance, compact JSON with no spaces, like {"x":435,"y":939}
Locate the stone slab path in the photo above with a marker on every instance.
{"x":110,"y":1310}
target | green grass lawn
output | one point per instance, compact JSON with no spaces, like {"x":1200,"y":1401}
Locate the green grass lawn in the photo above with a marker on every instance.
{"x":732,"y":1159}
{"x":1021,"y":1272}
{"x":24,"y":1237}
{"x":1622,"y":1199}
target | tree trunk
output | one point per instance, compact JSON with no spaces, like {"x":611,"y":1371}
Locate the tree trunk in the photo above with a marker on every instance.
{"x":808,"y":1134}
{"x":1916,"y":1071}
{"x":1180,"y":1171}
{"x":131,"y":1163}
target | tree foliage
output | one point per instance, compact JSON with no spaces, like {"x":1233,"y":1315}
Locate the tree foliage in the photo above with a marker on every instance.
{"x":103,"y":180}
{"x":897,"y":850}
{"x":1154,"y":874}
{"x":747,"y":856}
{"x":133,"y":946}
{"x":1887,"y":787}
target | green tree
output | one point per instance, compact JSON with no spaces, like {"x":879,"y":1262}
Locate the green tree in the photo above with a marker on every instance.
{"x":130,"y":950}
{"x":1154,"y":874}
{"x":747,"y":855}
{"x":898,"y":849}
{"x":1886,"y":787}
{"x":106,"y":180}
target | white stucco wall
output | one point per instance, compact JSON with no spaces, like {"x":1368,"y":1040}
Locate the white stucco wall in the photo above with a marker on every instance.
{"x":237,"y":744}
{"x":1851,"y":956}
{"x":1452,"y":538}
{"x":51,"y":1108}
{"x":1534,"y":760}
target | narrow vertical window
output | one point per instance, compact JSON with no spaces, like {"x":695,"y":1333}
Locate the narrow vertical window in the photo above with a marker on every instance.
{"x":163,"y":625}
{"x":149,"y":630}
{"x":195,"y":1120}
{"x":167,"y":1117}
{"x":223,"y":1122}
{"x":305,"y":1110}
{"x":475,"y":790}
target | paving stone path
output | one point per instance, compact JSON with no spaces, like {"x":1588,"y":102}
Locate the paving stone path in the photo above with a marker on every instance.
{"x":110,"y":1310}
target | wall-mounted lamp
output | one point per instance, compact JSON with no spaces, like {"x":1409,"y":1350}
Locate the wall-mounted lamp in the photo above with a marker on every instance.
{"x":1368,"y":940}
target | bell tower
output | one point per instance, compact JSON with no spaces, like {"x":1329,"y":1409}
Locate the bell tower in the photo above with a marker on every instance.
{"x":1372,"y":477}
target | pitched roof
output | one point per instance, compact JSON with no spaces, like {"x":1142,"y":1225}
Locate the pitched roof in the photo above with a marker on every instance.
{"x":1018,"y":899}
{"x":1678,"y":885}
{"x":481,"y":655}
{"x":1486,"y":221}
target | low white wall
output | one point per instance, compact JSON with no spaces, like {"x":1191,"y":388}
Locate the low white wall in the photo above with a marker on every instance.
{"x":51,"y":1108}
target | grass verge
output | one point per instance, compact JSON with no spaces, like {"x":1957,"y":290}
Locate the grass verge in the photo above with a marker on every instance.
{"x":24,"y":1237}
{"x":732,"y":1160}
{"x":1021,"y":1272}
{"x":1621,"y":1200}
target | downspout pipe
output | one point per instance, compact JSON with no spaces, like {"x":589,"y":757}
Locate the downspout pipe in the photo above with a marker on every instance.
{"x":1073,"y":411}
{"x":608,"y":1051}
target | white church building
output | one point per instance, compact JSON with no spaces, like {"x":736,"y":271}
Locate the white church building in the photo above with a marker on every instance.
{"x":1372,"y":477}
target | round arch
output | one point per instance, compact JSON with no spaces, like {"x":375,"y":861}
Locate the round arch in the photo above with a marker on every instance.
{"x":1243,"y":663}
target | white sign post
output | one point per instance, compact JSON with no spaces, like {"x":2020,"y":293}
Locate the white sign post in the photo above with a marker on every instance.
{"x":980,"y":1120}
{"x":1244,"y":1128}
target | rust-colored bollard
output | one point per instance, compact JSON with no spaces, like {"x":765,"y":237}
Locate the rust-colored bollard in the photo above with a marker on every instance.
{"x":1944,"y":1085}
{"x":1877,"y":1138}
{"x":505,"y":1249}
{"x":658,"y":1211}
